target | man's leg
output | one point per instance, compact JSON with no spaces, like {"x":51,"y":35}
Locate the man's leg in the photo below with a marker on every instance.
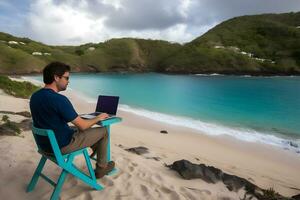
{"x":100,"y":147}
{"x":97,"y":138}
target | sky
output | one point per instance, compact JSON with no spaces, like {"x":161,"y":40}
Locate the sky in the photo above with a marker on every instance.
{"x":74,"y":22}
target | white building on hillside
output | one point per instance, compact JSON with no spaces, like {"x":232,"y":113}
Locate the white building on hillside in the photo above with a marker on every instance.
{"x":36,"y":53}
{"x":219,"y":47}
{"x":13,"y":42}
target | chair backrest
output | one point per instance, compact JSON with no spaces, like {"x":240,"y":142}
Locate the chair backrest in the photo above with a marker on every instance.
{"x":51,"y":136}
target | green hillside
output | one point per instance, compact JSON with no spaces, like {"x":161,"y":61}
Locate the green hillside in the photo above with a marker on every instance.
{"x":260,"y":45}
{"x":16,"y":55}
{"x":126,"y":54}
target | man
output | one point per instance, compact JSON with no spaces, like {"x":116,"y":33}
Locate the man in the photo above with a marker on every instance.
{"x":51,"y":110}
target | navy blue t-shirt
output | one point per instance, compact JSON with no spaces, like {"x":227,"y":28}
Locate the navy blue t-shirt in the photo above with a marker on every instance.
{"x":51,"y":110}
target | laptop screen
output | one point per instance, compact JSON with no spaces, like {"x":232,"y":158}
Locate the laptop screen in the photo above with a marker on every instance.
{"x":107,"y":104}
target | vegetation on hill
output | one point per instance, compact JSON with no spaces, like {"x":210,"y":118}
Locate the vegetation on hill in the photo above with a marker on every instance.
{"x":258,"y":44}
{"x":267,"y":43}
{"x":128,"y":54}
{"x":16,"y":88}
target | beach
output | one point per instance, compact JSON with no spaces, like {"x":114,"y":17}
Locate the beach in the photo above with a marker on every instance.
{"x":146,"y":176}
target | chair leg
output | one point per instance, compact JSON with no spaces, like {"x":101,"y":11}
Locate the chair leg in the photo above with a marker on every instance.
{"x":36,"y":174}
{"x":89,"y":164}
{"x":108,"y":144}
{"x":89,"y":180}
{"x":85,"y":178}
{"x":114,"y":171}
{"x":59,"y":184}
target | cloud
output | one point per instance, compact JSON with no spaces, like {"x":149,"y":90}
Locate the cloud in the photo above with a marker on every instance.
{"x":63,"y":23}
{"x":60,"y":22}
{"x":211,"y":11}
{"x":81,"y":21}
{"x":146,"y":14}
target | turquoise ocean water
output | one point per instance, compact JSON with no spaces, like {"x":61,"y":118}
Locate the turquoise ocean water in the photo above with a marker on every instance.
{"x":255,"y":109}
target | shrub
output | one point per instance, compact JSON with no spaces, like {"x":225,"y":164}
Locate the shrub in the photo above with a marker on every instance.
{"x":5,"y":118}
{"x":17,"y":89}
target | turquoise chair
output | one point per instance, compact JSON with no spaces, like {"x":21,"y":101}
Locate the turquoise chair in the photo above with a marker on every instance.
{"x":63,"y":161}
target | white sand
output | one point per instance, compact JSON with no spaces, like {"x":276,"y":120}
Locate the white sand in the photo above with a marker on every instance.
{"x":139,"y":176}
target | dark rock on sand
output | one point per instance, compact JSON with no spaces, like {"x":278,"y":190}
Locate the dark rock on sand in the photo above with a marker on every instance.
{"x":211,"y":174}
{"x":189,"y":170}
{"x":296,"y":197}
{"x":138,"y":150}
{"x":234,"y":183}
{"x":164,"y":131}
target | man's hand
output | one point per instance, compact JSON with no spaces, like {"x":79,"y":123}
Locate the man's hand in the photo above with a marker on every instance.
{"x":84,"y":124}
{"x":102,"y":116}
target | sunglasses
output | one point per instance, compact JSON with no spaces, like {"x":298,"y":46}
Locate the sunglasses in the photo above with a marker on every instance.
{"x":66,"y":77}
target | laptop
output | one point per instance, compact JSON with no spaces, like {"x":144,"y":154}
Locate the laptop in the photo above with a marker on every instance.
{"x":105,"y":104}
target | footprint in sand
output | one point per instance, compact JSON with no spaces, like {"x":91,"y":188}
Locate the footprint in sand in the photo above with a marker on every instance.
{"x":107,"y":182}
{"x":28,"y":161}
{"x":126,"y":159}
{"x":196,"y":190}
{"x":87,"y":196}
{"x":165,"y":190}
{"x":132,"y":166}
{"x":78,"y":195}
{"x":126,"y":176}
{"x":141,"y":174}
{"x":131,"y":169}
{"x":158,"y":177}
{"x":158,"y":192}
{"x":174,"y":195}
{"x":164,"y":156}
{"x":117,"y":175}
{"x":144,"y":190}
{"x":128,"y":186}
{"x":72,"y":181}
{"x":205,"y":192}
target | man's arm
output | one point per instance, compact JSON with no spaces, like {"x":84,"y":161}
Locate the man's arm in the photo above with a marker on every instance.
{"x":84,"y":124}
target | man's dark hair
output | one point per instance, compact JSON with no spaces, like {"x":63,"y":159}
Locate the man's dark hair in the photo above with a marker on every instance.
{"x":54,"y":68}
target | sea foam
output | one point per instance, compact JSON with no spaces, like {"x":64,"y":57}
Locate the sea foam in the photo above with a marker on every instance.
{"x":244,"y":134}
